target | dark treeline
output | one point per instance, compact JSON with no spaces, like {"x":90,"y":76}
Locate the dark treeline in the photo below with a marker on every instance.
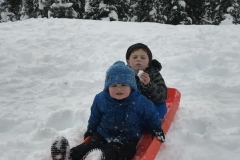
{"x":173,"y":12}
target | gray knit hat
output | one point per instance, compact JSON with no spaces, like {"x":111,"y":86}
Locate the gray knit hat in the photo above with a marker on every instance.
{"x":119,"y":73}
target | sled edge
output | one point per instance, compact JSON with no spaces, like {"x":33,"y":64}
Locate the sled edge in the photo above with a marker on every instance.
{"x":148,"y":148}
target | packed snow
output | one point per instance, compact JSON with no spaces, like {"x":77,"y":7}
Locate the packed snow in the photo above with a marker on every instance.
{"x":51,"y":69}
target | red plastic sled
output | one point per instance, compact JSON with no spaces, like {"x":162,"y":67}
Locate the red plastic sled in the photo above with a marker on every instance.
{"x":147,"y":147}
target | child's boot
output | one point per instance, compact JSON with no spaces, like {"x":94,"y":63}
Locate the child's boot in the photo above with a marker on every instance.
{"x":60,"y":149}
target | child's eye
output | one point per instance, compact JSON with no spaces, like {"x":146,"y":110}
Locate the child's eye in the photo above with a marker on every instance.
{"x":114,"y":85}
{"x":124,"y":84}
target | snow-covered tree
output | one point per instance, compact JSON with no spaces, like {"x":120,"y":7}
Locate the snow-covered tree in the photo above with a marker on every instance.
{"x":28,"y":10}
{"x":7,"y":16}
{"x":108,"y":6}
{"x":212,"y":14}
{"x":160,"y":11}
{"x":79,"y":7}
{"x":42,"y":7}
{"x":62,"y":10}
{"x":122,"y":8}
{"x":157,"y":12}
{"x":12,"y":6}
{"x":92,"y":9}
{"x":24,"y":11}
{"x":233,"y":12}
{"x":178,"y":15}
{"x":141,"y":10}
{"x":99,"y":10}
{"x":195,"y":10}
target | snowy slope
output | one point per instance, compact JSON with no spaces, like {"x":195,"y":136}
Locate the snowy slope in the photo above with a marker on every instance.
{"x":51,"y":69}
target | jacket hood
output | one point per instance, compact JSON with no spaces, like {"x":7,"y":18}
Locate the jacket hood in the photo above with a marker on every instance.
{"x":155,"y":65}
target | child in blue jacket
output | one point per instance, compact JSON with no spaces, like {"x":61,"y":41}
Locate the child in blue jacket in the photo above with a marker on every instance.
{"x":115,"y":120}
{"x":150,"y":82}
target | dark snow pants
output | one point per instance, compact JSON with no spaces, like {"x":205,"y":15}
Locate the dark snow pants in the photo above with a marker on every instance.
{"x":112,"y":150}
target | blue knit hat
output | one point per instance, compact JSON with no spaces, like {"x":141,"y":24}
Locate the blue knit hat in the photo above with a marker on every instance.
{"x":119,"y":73}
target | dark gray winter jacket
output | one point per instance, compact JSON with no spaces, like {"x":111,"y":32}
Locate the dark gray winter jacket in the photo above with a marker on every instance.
{"x":156,"y":90}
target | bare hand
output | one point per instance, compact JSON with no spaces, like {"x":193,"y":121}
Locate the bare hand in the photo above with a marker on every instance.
{"x":144,"y":78}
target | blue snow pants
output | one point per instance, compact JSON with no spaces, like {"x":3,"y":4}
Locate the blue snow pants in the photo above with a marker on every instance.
{"x":161,"y":109}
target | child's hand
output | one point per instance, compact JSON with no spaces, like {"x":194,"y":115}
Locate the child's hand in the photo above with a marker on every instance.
{"x":144,"y":78}
{"x":160,"y":136}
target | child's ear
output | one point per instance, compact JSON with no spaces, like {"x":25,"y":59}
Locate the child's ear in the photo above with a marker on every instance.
{"x":128,"y":62}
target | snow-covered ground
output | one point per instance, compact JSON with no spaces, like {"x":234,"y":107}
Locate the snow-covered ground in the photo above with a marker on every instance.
{"x":51,"y":69}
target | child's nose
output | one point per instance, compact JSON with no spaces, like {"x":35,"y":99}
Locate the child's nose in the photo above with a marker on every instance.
{"x":119,"y":88}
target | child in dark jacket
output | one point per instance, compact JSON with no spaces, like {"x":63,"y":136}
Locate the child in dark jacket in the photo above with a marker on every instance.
{"x":150,"y":82}
{"x":115,"y":121}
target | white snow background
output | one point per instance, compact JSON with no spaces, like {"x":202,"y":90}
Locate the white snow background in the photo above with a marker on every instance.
{"x":51,"y":69}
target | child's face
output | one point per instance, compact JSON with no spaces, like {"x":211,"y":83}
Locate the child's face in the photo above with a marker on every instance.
{"x":119,"y":91}
{"x":138,"y":60}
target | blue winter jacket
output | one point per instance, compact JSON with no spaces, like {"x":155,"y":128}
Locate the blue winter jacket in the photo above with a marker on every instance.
{"x":121,"y":120}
